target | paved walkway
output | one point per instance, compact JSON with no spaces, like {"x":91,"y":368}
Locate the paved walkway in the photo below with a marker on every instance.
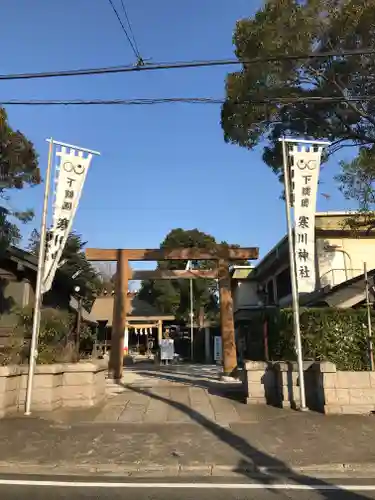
{"x":173,"y":394}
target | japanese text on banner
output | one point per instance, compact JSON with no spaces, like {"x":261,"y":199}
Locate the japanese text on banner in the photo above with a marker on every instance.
{"x":306,"y":166}
{"x":69,"y":184}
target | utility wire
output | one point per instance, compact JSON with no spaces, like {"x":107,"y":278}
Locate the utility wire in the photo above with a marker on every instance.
{"x":136,"y":53}
{"x":131,"y":30}
{"x":184,"y":100}
{"x":184,"y":64}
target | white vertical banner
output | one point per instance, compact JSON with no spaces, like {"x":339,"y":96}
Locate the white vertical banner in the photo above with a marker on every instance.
{"x":71,"y":173}
{"x":306,"y":160}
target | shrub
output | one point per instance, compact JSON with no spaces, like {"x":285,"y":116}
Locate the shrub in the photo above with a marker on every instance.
{"x":56,"y":341}
{"x":336,"y":335}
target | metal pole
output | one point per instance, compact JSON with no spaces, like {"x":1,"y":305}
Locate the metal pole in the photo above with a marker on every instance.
{"x":293,"y":279}
{"x":191,"y":321}
{"x":78,"y":327}
{"x":38,"y":287}
{"x":369,"y":325}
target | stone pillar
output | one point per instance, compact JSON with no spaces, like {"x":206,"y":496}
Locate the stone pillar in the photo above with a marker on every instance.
{"x":227,"y":322}
{"x":207,"y":344}
{"x":288,"y":383}
{"x":259,"y":382}
{"x":119,"y":316}
{"x":160,"y":331}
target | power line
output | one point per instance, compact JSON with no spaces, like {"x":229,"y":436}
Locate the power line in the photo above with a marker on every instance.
{"x":182,"y":100}
{"x":184,"y":65}
{"x":131,"y":30}
{"x":136,"y":53}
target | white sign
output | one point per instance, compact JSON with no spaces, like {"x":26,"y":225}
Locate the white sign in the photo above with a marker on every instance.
{"x":166,"y":349}
{"x":306,"y":159}
{"x":70,"y":177}
{"x":218,"y":349}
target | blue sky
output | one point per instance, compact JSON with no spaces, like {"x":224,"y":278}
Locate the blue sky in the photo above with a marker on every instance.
{"x":161,"y":166}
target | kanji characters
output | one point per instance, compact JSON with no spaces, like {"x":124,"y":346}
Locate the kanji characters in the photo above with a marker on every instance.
{"x":303,"y":254}
{"x":303,"y":221}
{"x":304,"y":272}
{"x":302,"y":238}
{"x":62,"y":223}
{"x":67,"y":205}
{"x":69,"y":193}
{"x":307,"y":178}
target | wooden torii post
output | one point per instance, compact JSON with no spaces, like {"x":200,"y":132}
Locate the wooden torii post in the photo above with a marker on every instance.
{"x":222,"y":254}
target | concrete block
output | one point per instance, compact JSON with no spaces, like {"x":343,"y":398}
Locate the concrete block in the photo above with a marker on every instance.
{"x":343,"y":396}
{"x":256,"y":400}
{"x":330,"y":397}
{"x":23,"y":380}
{"x":286,"y":404}
{"x":45,"y":400}
{"x":254,"y":376}
{"x":336,"y":396}
{"x":8,"y":400}
{"x":329,"y":380}
{"x":332,"y":409}
{"x":353,"y":380}
{"x":45,"y":380}
{"x":362,"y":396}
{"x":325,"y":367}
{"x":79,"y":392}
{"x":9,"y":383}
{"x":356,"y":409}
{"x":256,"y":391}
{"x":76,"y":379}
{"x":255,"y":366}
{"x":372,"y":379}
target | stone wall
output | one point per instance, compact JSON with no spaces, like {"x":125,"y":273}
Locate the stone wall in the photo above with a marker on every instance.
{"x":59,"y":385}
{"x":327,"y":390}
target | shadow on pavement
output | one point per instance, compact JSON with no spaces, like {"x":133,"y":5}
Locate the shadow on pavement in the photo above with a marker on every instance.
{"x":251,"y":455}
{"x":212,"y":385}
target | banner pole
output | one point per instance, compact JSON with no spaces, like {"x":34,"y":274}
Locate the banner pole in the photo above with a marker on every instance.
{"x":293,"y":279}
{"x":369,"y":323}
{"x":38,"y":289}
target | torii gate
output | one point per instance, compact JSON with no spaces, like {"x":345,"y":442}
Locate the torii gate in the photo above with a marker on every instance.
{"x":222,"y":254}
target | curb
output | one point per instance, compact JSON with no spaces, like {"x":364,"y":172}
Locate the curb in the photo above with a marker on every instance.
{"x":180,"y":470}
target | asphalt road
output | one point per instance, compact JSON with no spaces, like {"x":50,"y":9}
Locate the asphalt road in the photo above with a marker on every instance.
{"x":12,"y":488}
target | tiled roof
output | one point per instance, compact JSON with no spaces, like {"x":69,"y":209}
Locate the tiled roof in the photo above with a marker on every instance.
{"x":102,"y":309}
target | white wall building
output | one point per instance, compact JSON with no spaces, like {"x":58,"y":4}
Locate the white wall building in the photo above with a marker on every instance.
{"x":339,"y":265}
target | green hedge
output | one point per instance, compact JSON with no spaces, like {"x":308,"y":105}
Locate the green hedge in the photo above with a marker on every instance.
{"x":336,"y":335}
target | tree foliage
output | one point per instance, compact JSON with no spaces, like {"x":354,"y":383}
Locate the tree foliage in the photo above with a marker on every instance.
{"x":73,"y":261}
{"x":173,"y":296}
{"x":357,"y":182}
{"x":294,"y":96}
{"x":18,"y":167}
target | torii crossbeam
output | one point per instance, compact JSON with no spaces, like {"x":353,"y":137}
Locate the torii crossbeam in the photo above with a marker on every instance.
{"x":222,"y":254}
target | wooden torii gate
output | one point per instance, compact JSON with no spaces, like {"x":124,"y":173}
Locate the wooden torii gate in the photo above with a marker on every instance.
{"x":222,"y":254}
